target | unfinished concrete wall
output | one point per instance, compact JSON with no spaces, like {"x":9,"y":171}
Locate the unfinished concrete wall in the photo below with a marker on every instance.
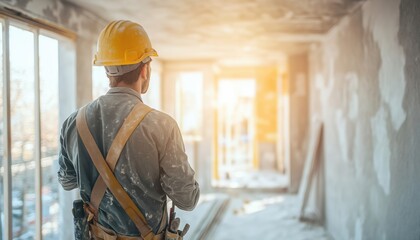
{"x":299,"y":119}
{"x":365,"y":87}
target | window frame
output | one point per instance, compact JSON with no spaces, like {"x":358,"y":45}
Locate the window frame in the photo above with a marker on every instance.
{"x":38,"y":29}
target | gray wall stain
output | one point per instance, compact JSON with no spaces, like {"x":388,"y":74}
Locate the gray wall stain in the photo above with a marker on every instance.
{"x":20,"y":3}
{"x":65,"y":15}
{"x":404,"y":214}
{"x":49,"y":14}
{"x":69,"y":16}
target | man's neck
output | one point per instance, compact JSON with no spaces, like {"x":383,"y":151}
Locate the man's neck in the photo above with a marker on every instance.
{"x":136,"y":87}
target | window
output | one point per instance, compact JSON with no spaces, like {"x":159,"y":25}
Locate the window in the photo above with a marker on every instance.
{"x":100,"y":82}
{"x":189,"y":104}
{"x":22,"y":109}
{"x":33,"y":94}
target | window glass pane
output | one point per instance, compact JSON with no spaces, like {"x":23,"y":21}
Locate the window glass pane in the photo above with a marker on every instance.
{"x":48,"y":67}
{"x":100,"y":82}
{"x":1,"y":134}
{"x":189,"y":106}
{"x":22,"y":121}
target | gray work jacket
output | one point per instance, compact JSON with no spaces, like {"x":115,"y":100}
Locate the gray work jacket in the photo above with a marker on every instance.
{"x":152,"y":165}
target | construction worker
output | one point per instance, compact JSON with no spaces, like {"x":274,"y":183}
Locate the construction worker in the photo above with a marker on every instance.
{"x":152,"y":163}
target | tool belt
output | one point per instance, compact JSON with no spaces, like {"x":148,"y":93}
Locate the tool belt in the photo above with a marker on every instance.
{"x":99,"y":232}
{"x":107,"y":179}
{"x":172,"y":236}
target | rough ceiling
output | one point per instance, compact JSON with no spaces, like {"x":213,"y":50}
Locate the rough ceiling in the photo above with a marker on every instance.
{"x":226,"y":29}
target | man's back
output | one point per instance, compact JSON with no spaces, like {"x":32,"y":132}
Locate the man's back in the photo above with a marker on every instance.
{"x":152,"y":165}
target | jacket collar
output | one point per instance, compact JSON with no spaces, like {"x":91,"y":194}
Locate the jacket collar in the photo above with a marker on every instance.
{"x":124,"y":90}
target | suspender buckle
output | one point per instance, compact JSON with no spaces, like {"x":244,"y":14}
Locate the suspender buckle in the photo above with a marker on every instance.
{"x":90,"y":211}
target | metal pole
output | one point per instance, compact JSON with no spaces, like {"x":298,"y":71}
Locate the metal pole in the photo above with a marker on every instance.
{"x":37,"y":150}
{"x":7,"y":137}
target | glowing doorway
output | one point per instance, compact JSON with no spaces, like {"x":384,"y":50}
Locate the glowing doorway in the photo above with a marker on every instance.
{"x":235,"y":127}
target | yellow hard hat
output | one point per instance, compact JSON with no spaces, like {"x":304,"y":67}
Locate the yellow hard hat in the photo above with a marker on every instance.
{"x":123,"y":43}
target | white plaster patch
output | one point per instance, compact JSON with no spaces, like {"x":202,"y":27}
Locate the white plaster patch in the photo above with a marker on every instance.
{"x":353,"y":98}
{"x":382,"y":18}
{"x":341,"y":124}
{"x":349,"y":115}
{"x":325,"y":80}
{"x":325,"y":89}
{"x":345,"y":230}
{"x":358,"y":229}
{"x":381,"y":151}
{"x":319,"y":81}
{"x":339,"y":221}
{"x":358,"y":150}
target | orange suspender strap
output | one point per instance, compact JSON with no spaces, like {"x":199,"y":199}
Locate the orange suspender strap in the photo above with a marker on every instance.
{"x":107,"y":174}
{"x":130,"y":124}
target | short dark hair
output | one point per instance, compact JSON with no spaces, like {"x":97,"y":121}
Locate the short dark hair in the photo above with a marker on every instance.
{"x":129,"y":78}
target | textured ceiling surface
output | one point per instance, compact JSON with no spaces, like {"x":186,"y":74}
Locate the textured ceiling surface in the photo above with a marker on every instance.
{"x":226,"y":29}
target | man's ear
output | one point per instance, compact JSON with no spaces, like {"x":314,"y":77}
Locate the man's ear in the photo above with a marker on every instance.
{"x":144,"y":70}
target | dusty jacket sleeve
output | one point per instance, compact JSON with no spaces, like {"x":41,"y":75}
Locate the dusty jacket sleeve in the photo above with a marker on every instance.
{"x":177,"y":176}
{"x":66,"y":174}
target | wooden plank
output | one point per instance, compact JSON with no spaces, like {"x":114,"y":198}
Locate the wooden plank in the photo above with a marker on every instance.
{"x":311,"y":167}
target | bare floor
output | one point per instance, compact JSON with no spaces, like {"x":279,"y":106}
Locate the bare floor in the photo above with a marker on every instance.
{"x":262,"y":216}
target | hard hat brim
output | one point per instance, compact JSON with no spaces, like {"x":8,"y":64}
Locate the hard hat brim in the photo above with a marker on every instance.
{"x":119,"y":62}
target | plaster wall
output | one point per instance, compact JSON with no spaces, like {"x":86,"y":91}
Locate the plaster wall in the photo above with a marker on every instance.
{"x":365,"y":87}
{"x":299,"y":117}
